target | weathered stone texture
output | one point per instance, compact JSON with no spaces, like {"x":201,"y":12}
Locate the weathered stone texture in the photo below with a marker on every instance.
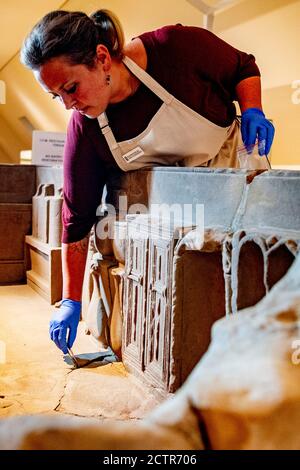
{"x":244,"y":393}
{"x":17,"y":185}
{"x":184,"y":287}
{"x":246,"y":388}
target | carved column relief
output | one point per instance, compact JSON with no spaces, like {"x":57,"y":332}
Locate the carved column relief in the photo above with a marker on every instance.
{"x":147,"y":300}
{"x":258,"y":261}
{"x":157,"y":344}
{"x":135,"y":282}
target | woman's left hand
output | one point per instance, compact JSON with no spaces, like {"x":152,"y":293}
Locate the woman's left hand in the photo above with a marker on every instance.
{"x":256,"y":126}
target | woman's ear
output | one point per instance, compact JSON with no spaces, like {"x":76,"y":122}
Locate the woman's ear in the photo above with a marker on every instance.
{"x":103,"y":57}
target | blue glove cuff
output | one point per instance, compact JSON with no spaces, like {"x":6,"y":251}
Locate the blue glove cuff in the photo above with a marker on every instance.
{"x":72,"y":303}
{"x":252,"y":111}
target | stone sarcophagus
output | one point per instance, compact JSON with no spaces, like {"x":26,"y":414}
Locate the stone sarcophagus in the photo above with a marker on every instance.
{"x":177,"y":284}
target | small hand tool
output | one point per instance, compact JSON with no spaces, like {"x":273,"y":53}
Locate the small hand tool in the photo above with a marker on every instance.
{"x":73,"y":358}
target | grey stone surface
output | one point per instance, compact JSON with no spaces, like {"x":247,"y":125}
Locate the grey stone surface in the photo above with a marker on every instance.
{"x":272,"y":201}
{"x":185,"y":186}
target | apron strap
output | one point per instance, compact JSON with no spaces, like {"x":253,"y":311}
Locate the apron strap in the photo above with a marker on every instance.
{"x":147,"y":80}
{"x":107,"y":132}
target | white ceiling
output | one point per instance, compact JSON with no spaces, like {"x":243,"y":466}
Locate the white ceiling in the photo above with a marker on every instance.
{"x":16,"y":19}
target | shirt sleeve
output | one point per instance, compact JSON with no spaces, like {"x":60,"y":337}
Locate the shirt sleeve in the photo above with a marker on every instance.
{"x":84,"y":179}
{"x":213,"y":59}
{"x":220,"y":61}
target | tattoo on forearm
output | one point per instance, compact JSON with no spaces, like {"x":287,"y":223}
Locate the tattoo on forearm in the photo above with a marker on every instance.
{"x":79,"y":247}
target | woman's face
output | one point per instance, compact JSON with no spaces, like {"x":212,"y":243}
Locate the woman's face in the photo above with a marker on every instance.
{"x":77,"y":86}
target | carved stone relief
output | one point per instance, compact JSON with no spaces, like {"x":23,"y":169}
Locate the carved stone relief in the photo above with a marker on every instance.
{"x":254,"y":262}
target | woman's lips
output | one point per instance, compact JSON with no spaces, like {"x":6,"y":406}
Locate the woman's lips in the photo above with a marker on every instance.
{"x":83,"y":110}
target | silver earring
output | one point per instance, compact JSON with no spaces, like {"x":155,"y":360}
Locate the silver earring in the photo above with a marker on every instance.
{"x":107,"y":79}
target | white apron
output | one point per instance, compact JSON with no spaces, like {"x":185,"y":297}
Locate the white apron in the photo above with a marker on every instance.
{"x":175,"y":134}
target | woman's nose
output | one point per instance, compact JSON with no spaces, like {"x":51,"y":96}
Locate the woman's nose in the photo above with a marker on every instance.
{"x":68,"y":101}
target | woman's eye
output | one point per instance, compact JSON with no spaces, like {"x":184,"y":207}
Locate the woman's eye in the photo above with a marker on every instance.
{"x":54,"y":97}
{"x":71,"y":90}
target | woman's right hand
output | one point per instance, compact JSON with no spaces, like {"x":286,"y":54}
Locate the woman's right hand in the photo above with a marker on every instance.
{"x":67,"y":318}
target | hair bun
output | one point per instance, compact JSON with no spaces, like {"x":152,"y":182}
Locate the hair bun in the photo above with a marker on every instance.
{"x":110,"y":31}
{"x":100,"y":17}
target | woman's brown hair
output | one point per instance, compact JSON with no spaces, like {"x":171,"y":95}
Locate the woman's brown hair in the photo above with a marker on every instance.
{"x":73,"y":35}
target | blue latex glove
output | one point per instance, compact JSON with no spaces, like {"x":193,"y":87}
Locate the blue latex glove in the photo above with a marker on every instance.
{"x":255,"y":125}
{"x":66,"y":318}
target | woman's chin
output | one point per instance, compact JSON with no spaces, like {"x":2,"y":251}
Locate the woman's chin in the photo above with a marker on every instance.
{"x":89,"y":113}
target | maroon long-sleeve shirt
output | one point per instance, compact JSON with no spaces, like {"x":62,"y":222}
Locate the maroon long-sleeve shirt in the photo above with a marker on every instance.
{"x":194,"y":65}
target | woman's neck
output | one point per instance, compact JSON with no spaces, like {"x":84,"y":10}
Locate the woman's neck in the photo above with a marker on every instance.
{"x":126,"y":84}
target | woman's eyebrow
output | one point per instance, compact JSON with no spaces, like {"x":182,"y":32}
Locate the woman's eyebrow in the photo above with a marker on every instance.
{"x":64,"y":84}
{"x":62,"y":87}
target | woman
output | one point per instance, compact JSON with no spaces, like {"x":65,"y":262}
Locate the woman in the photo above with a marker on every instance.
{"x":166,"y":98}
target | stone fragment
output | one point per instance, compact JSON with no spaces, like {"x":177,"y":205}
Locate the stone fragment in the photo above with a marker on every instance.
{"x":246,"y":388}
{"x":72,"y":433}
